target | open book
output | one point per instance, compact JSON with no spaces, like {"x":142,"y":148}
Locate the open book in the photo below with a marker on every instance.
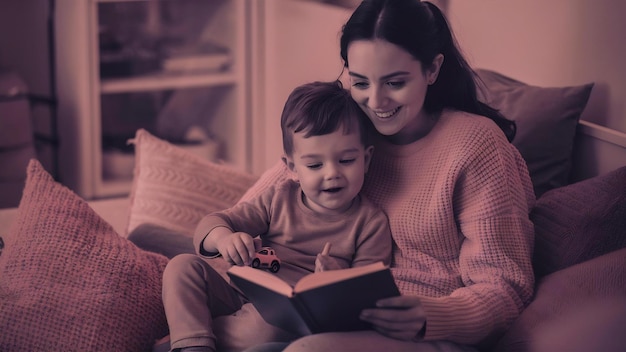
{"x":319,"y":302}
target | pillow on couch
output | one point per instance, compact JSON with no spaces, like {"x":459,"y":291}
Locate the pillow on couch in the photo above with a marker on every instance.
{"x":563,"y":294}
{"x":173,"y":188}
{"x":68,"y":282}
{"x":580,"y":221}
{"x":546,"y":123}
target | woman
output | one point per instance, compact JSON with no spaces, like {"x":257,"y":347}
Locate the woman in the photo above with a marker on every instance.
{"x":457,"y":193}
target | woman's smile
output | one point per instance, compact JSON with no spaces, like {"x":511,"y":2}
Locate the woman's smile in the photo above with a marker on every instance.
{"x":387,"y":114}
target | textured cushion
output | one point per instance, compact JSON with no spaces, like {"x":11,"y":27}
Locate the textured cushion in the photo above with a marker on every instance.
{"x":580,"y":221}
{"x":68,"y":282}
{"x":174,"y":189}
{"x":546,"y":124}
{"x":563,"y":293}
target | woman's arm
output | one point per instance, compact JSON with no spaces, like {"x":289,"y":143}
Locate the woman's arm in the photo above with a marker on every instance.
{"x":492,"y":200}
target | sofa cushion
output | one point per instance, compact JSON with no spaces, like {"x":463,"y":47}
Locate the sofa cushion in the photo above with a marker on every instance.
{"x":546,"y":120}
{"x":563,"y":294}
{"x":69,"y":282}
{"x":597,"y":325}
{"x":579,"y":222}
{"x":174,"y":188}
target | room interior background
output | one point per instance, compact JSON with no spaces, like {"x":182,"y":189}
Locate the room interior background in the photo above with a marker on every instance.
{"x":555,"y":43}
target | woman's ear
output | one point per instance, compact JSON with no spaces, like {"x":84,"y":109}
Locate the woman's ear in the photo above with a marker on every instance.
{"x":369,"y":151}
{"x":433,"y":71}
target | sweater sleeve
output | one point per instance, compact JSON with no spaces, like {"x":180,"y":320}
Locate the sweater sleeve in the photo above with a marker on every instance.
{"x":492,"y":200}
{"x":274,"y":175}
{"x":251,"y":216}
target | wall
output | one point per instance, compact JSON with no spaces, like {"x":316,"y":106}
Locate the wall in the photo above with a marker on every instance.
{"x":23,"y":42}
{"x":299,"y":43}
{"x":551,"y":43}
{"x":547,"y":43}
{"x":24,"y":49}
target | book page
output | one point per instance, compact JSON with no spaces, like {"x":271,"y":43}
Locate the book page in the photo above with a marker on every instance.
{"x":327,"y":277}
{"x":263,"y":278}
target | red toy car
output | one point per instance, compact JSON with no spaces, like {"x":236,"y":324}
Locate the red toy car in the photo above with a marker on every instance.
{"x":266,"y":258}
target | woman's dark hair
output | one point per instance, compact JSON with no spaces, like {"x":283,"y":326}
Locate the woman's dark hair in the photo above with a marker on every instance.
{"x":320,"y":108}
{"x":422,"y":30}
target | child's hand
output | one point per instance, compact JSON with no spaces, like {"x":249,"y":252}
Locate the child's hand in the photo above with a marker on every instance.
{"x":237,"y":248}
{"x":324,"y":262}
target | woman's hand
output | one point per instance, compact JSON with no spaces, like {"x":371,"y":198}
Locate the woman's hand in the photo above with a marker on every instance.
{"x":237,"y":248}
{"x":401,"y":317}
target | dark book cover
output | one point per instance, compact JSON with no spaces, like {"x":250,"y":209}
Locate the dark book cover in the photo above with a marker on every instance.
{"x":320,"y":302}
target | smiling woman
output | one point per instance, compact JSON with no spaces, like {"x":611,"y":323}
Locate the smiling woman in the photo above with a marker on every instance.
{"x":457,"y":192}
{"x":390,"y":85}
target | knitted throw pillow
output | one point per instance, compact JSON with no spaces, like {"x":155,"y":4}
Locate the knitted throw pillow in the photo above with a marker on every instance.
{"x":70,"y":283}
{"x":579,"y":222}
{"x":174,"y":188}
{"x":546,"y":120}
{"x":561,"y":307}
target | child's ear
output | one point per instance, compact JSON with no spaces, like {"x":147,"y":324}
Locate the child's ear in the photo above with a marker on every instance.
{"x":369,"y":151}
{"x":290,"y":165}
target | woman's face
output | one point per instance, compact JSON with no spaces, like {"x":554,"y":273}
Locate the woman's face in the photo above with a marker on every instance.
{"x":390,"y":85}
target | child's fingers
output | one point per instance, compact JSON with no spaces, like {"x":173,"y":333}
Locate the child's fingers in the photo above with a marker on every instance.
{"x":246,"y":247}
{"x":319,"y":266}
{"x":326,"y":249}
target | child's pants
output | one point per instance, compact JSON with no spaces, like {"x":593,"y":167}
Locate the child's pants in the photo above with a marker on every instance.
{"x":203,"y":309}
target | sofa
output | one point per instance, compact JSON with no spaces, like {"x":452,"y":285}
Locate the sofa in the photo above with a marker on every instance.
{"x":71,"y":280}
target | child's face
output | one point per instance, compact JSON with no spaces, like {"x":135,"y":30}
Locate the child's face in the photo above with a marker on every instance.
{"x":330,"y":168}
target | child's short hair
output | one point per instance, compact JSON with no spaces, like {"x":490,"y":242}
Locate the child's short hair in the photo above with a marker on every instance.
{"x":320,"y":108}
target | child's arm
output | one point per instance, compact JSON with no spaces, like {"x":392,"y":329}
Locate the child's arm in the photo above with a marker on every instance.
{"x":229,"y":232}
{"x":374,"y":242}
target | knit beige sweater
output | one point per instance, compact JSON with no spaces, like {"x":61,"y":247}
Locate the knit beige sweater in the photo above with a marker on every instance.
{"x":458,"y":202}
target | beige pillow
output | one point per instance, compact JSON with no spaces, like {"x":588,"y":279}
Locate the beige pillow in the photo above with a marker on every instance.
{"x":69,"y":282}
{"x":174,"y":189}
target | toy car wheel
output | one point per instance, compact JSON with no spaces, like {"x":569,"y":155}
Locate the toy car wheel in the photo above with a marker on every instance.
{"x":275,"y":267}
{"x":256,"y":263}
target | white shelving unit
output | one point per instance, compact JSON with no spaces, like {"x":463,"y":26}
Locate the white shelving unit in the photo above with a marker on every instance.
{"x":113,"y":77}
